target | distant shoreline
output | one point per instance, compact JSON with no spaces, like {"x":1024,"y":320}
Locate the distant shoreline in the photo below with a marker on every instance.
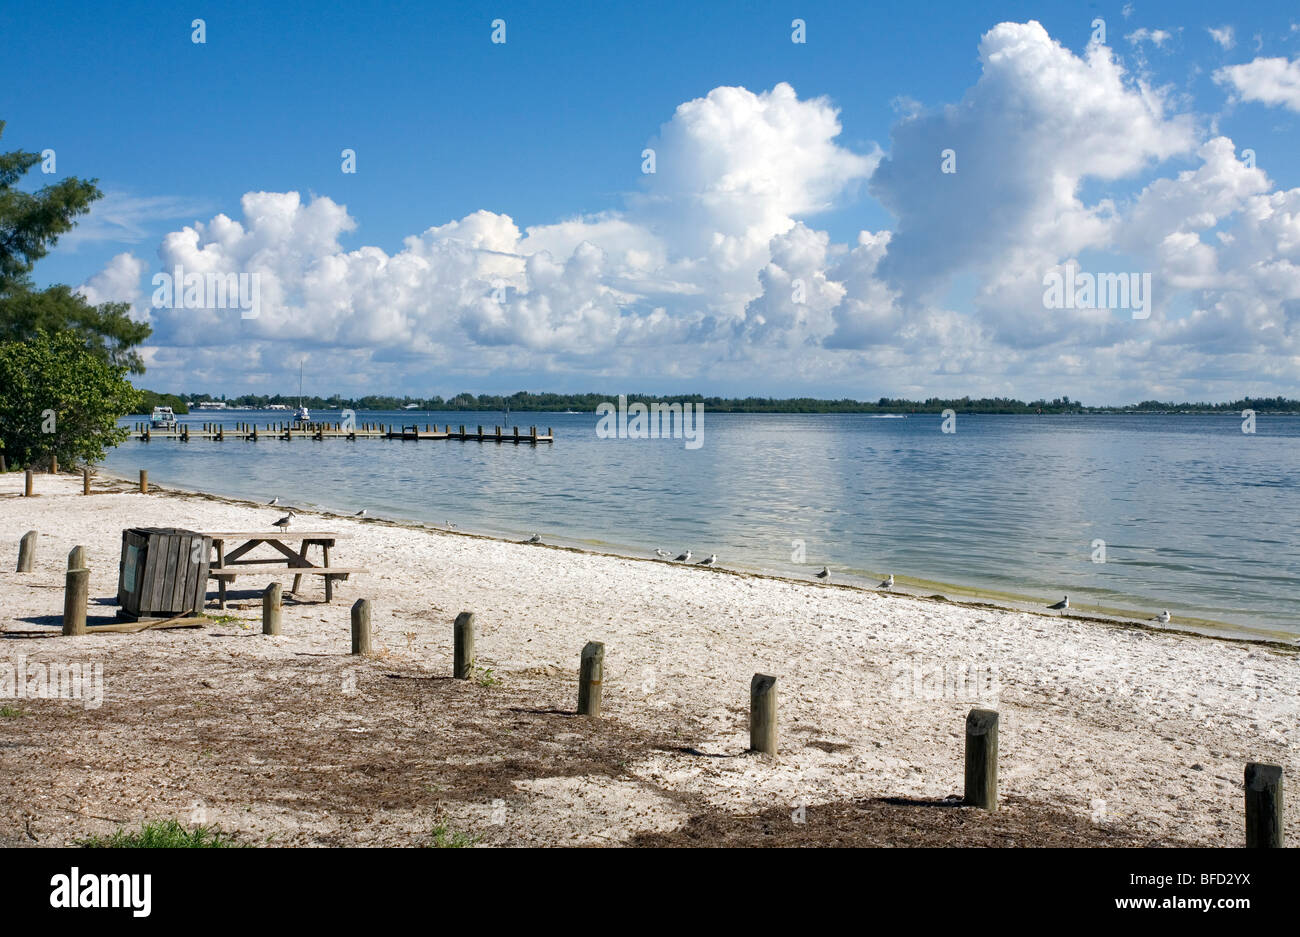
{"x":587,"y":403}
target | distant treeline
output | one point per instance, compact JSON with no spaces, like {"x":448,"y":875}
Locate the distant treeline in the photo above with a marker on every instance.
{"x":586,"y":403}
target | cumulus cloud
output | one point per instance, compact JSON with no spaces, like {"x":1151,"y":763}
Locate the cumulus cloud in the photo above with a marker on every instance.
{"x":1270,"y":81}
{"x":118,"y":282}
{"x":716,"y":266}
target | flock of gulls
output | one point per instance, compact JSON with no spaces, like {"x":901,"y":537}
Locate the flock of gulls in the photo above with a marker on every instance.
{"x":824,"y":575}
{"x":1163,"y":618}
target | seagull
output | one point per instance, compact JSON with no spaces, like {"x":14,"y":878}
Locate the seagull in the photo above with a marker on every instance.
{"x":825,"y":573}
{"x":1061,"y":605}
{"x":361,"y":513}
{"x":450,"y":525}
{"x":888,"y":583}
{"x":535,"y":538}
{"x":1163,"y":617}
{"x":662,"y":554}
{"x":284,"y":522}
{"x":713,"y":558}
{"x":684,"y":558}
{"x":273,"y":501}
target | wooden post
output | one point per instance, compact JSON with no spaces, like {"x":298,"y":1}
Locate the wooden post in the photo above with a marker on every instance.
{"x":591,"y":676}
{"x":463,"y":642}
{"x":26,"y":552}
{"x":85,"y":481}
{"x":762,"y":714}
{"x":1263,"y":806}
{"x":27,"y":483}
{"x":271,"y":609}
{"x":361,"y":627}
{"x":982,"y":759}
{"x":76,"y":593}
{"x":54,"y":464}
{"x":77,"y":558}
{"x":144,"y":481}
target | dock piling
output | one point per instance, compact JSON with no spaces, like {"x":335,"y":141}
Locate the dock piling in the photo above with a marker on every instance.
{"x":76,"y":593}
{"x":26,"y":551}
{"x":1263,"y":806}
{"x":271,"y":605}
{"x":361,"y":627}
{"x":982,"y":759}
{"x":762,"y":714}
{"x":463,"y":651}
{"x":591,"y":678}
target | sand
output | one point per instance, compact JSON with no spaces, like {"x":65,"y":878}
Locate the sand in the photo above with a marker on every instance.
{"x":1109,"y":734}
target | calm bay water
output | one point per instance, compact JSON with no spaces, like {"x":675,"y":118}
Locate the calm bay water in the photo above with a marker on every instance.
{"x":1196,"y":516}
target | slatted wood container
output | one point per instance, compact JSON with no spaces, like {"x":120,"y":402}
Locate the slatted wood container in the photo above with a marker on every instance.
{"x":163,"y":573}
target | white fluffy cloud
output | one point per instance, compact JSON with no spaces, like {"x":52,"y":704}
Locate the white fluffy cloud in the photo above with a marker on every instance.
{"x":1273,"y":81}
{"x":716,"y":269}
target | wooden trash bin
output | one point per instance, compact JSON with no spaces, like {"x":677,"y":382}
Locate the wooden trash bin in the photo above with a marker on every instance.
{"x":163,"y":572}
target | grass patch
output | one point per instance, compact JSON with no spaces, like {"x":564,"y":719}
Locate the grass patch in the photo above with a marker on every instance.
{"x":442,"y":838}
{"x":10,"y":712}
{"x":163,"y":834}
{"x":487,"y":678}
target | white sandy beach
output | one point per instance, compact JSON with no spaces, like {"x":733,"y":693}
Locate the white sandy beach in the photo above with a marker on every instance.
{"x":1125,"y":727}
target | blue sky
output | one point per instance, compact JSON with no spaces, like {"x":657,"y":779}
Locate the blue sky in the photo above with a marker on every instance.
{"x":549,"y":127}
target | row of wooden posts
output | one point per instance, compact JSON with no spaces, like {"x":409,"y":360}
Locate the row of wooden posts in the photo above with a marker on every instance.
{"x":1263,"y":782}
{"x":29,"y":483}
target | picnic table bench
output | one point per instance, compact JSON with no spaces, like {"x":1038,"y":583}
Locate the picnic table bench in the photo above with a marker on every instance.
{"x":234,"y":563}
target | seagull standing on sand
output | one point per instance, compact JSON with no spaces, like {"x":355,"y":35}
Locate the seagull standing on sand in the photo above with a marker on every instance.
{"x":535,"y":538}
{"x":450,"y":525}
{"x":662,"y":554}
{"x":1163,"y":617}
{"x":888,"y":583}
{"x":1061,"y":605}
{"x":273,"y":501}
{"x":284,"y":522}
{"x":684,"y":558}
{"x":713,"y":558}
{"x":825,"y":573}
{"x":361,"y":513}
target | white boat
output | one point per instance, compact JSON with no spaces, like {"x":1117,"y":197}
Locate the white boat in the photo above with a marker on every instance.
{"x":162,"y":418}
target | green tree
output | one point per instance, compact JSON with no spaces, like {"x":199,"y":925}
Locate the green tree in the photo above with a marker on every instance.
{"x":59,"y":397}
{"x":30,"y":224}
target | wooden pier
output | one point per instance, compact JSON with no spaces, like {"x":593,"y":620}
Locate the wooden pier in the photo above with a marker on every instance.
{"x":252,"y":432}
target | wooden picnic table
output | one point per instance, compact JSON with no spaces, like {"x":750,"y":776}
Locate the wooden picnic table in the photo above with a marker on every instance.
{"x":234,"y":563}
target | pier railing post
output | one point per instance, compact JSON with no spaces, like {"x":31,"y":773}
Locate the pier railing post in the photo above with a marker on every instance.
{"x":1263,"y":806}
{"x":982,"y":759}
{"x":77,"y":558}
{"x":591,"y":678}
{"x":26,"y":552}
{"x":463,"y":641}
{"x":762,"y":713}
{"x":27,"y":483}
{"x":361,"y":627}
{"x":76,"y":593}
{"x":271,"y":605}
